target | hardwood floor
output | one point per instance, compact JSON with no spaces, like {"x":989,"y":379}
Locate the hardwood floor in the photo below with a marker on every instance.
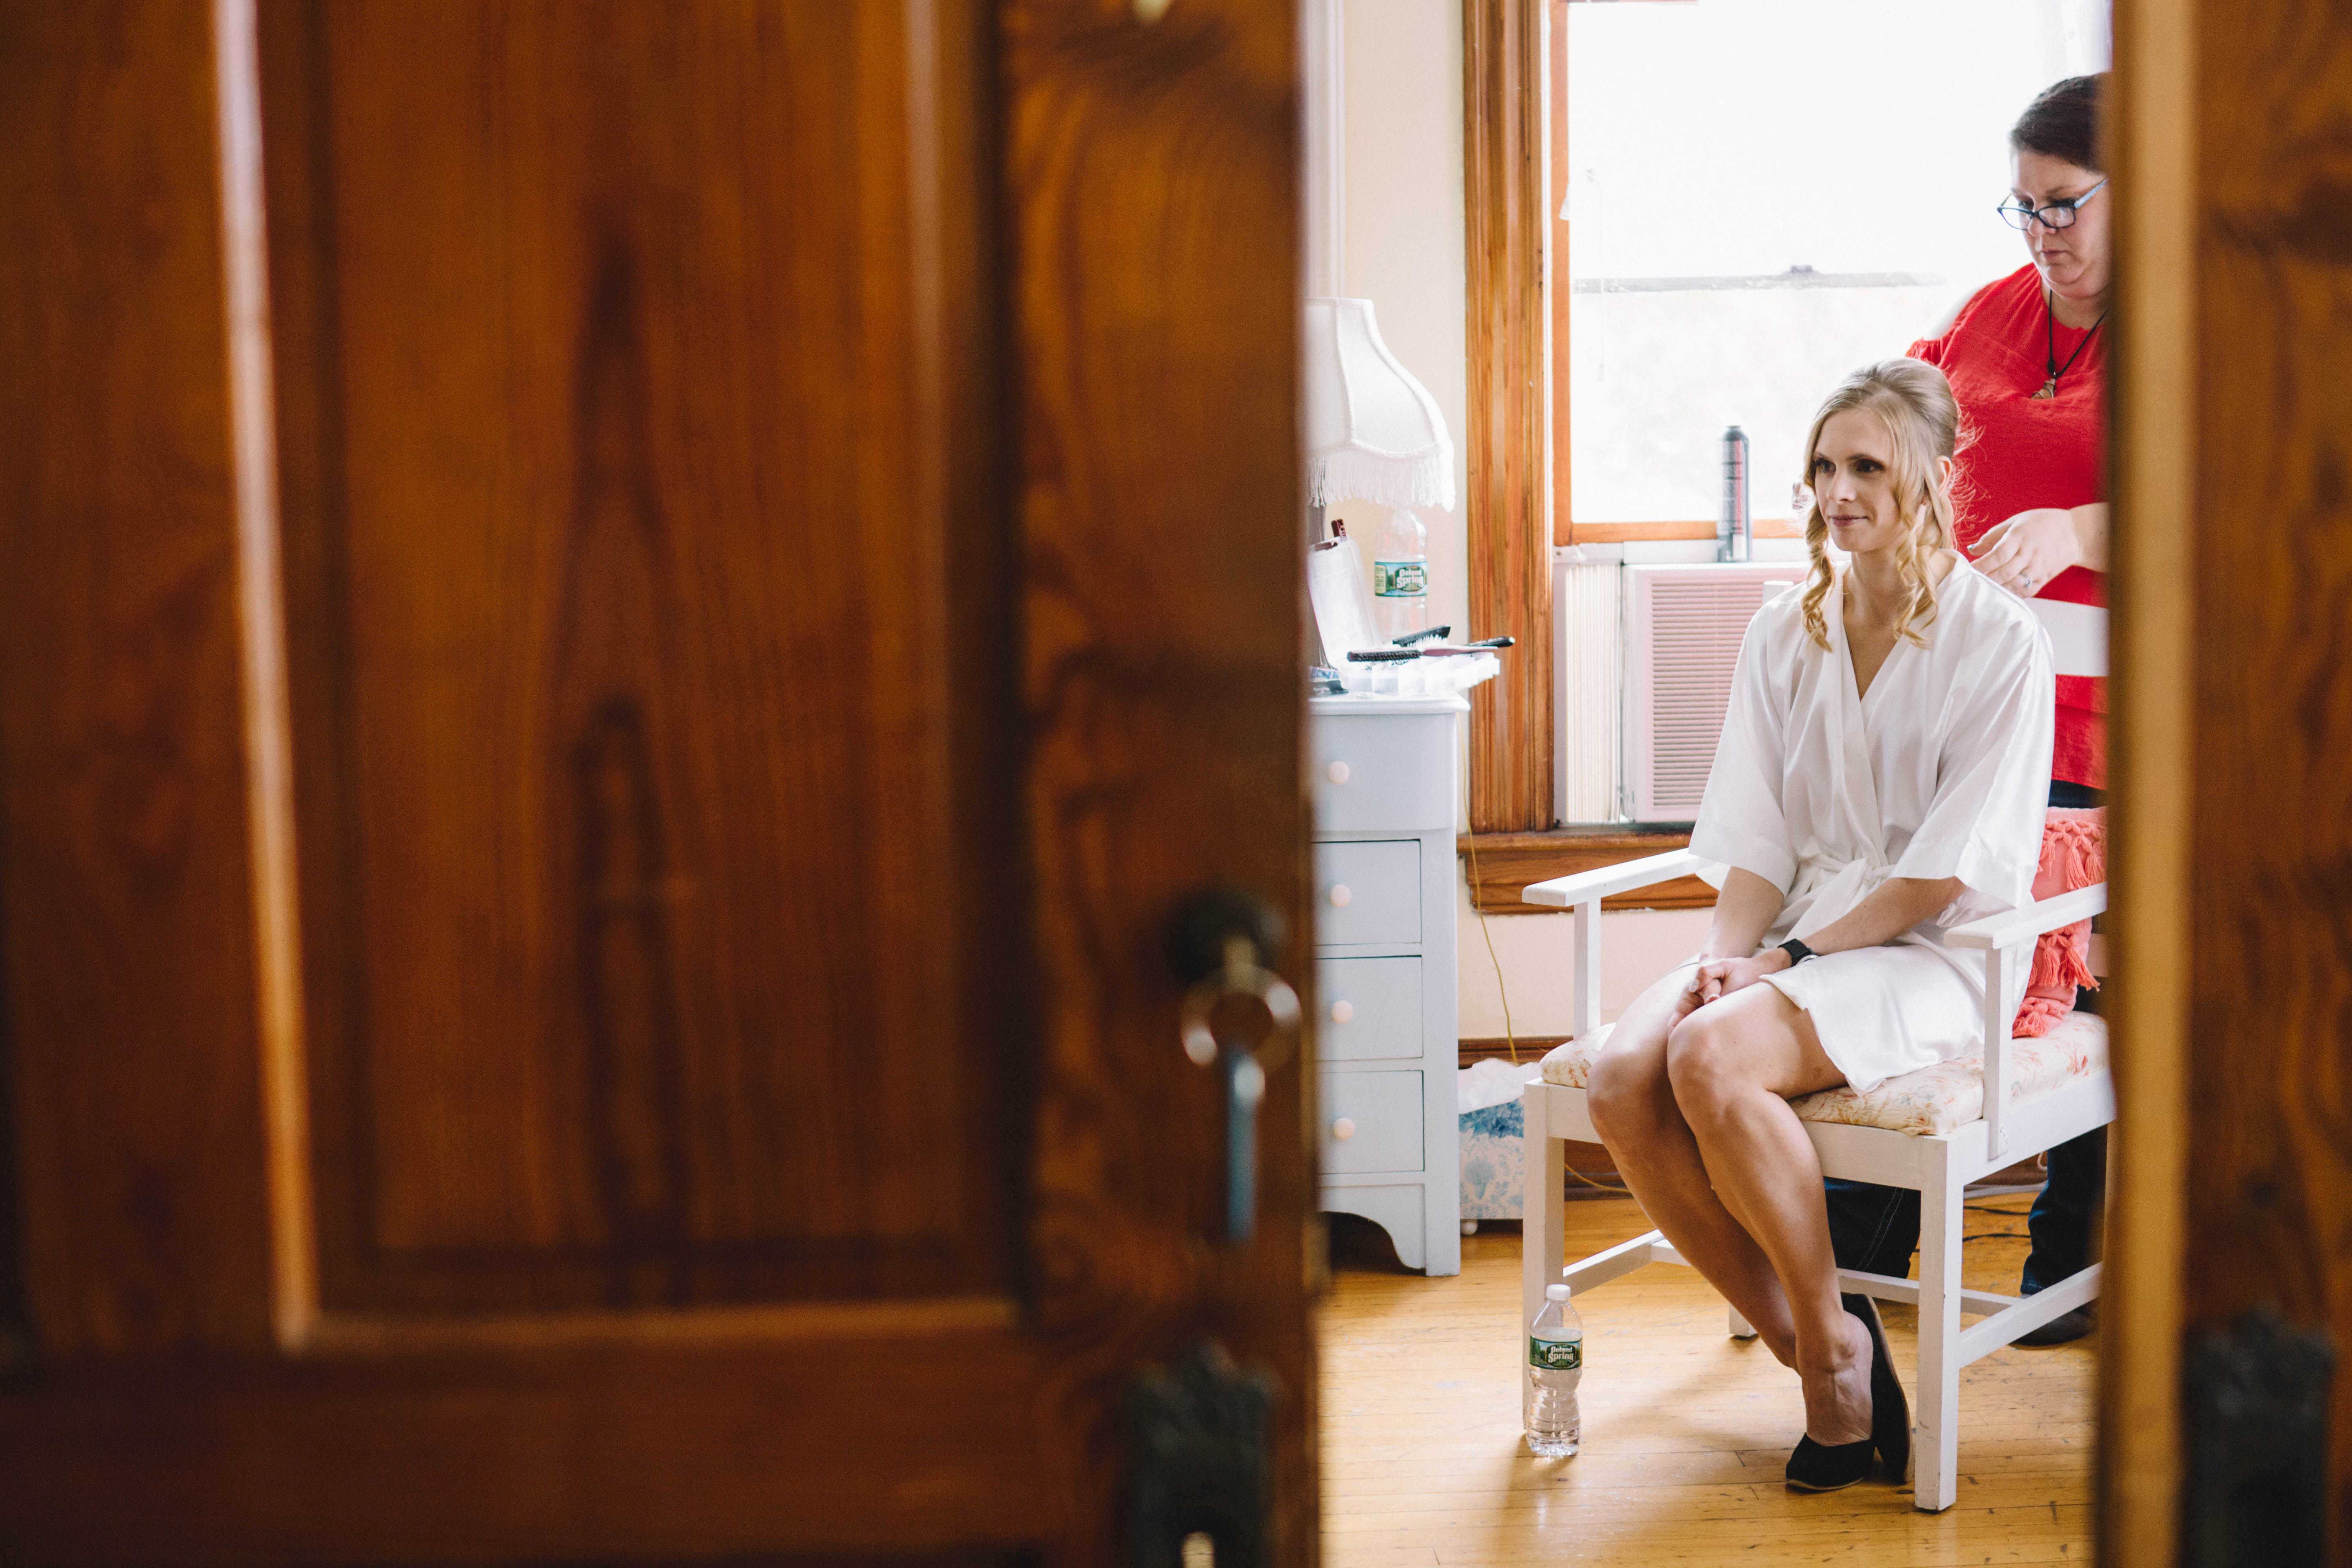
{"x":1685,"y":1429}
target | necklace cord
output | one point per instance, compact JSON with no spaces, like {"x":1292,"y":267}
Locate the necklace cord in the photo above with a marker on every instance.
{"x":2050,"y":365}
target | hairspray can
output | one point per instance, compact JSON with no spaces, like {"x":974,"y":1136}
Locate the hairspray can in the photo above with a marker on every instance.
{"x":1731,"y":529}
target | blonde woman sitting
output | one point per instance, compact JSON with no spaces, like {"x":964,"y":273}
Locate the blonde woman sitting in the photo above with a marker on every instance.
{"x":1883,"y":775}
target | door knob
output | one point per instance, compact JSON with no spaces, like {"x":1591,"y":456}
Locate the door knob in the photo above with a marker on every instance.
{"x":1222,"y":941}
{"x":1343,"y":1130}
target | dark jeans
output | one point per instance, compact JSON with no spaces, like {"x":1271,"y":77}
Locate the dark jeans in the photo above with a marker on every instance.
{"x":1877,"y":1228}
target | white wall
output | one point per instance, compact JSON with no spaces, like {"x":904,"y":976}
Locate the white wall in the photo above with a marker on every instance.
{"x":1529,"y":964}
{"x":1403,"y":248}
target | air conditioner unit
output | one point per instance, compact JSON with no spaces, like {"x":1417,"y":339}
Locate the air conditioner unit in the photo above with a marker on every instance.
{"x":1683,"y":625}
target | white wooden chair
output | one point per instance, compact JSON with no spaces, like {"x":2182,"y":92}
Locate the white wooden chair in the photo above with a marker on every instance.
{"x":2066,"y":1091}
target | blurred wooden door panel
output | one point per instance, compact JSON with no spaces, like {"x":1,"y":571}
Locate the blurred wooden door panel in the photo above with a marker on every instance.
{"x":655,"y":696}
{"x":745,"y":473}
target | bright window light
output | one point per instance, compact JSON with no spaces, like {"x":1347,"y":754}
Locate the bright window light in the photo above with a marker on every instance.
{"x":1765,"y":195}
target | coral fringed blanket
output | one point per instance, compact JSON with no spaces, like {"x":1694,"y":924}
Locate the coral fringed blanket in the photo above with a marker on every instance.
{"x":2073,"y":854}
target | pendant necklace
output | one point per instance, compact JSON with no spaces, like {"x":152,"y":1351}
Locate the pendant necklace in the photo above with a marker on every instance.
{"x":2050,"y":349}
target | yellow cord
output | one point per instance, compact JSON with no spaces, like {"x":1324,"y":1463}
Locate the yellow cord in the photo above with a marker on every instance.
{"x":1510,"y":1038}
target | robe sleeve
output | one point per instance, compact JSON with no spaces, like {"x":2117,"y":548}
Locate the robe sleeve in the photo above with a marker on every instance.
{"x":1740,"y":818}
{"x":1992,"y":781}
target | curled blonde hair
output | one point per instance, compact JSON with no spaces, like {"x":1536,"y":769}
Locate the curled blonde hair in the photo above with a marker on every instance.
{"x":1915,"y":403}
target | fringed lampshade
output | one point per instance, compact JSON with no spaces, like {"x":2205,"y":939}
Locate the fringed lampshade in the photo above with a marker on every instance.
{"x":1373,"y":432}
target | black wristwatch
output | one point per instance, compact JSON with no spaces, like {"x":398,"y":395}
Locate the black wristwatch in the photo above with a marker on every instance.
{"x":1798,"y":952}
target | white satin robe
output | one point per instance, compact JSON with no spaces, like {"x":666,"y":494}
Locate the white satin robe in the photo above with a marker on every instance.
{"x":1943,"y":770}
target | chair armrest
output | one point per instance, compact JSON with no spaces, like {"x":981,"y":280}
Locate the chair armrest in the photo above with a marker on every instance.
{"x":1567,"y":892}
{"x":2014,"y":926}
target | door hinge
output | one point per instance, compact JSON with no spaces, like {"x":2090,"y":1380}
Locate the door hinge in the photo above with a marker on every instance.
{"x":1201,"y":1445}
{"x":2255,"y":1398}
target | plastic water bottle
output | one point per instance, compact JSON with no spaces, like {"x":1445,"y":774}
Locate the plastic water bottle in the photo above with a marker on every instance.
{"x":1555,"y":1366}
{"x":1400,"y":575}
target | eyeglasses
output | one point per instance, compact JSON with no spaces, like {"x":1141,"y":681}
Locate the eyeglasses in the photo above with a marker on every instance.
{"x":2057,"y":215}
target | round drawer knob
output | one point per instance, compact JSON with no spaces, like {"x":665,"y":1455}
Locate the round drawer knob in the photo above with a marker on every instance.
{"x":1337,"y":772}
{"x":1343,"y":1130}
{"x":1342,"y":1011}
{"x":1341,"y":896}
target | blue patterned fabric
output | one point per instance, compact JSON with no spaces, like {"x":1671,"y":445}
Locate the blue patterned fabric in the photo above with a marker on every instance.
{"x":1494,"y":1164}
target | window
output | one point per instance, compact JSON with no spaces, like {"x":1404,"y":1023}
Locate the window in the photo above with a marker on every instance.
{"x":1763,"y":195}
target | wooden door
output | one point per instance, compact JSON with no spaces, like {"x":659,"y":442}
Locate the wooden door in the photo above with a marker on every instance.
{"x":2228,"y":1315}
{"x":620,"y":626}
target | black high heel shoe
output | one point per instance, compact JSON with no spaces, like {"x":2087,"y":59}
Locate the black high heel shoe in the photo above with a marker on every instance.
{"x":1824,"y":1468}
{"x":1890,"y":1413}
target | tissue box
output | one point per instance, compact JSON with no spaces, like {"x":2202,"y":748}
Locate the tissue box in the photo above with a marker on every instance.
{"x":1494,"y":1162}
{"x":1491,"y":1120}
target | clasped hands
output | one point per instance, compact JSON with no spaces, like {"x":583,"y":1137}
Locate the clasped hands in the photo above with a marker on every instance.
{"x":1718,"y":977}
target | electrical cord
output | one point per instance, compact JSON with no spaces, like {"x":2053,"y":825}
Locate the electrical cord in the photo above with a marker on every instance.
{"x":1510,"y":1038}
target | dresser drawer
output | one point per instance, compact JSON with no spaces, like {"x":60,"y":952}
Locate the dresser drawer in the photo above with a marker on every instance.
{"x":1367,"y":890}
{"x":1374,"y":773}
{"x":1380,"y":1112}
{"x":1372,"y":1008}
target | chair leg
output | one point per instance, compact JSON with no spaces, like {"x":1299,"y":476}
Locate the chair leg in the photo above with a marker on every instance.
{"x":1935,"y":1404}
{"x":1741,"y":1329}
{"x":1541,"y":1244}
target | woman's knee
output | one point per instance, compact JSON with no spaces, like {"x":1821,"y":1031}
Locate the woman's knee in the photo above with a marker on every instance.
{"x":1700,"y":1066}
{"x":1623,"y":1092}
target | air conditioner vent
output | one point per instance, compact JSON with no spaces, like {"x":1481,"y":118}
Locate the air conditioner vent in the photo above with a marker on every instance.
{"x":1683,"y":628}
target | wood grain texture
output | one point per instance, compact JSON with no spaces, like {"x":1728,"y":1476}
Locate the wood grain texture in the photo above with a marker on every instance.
{"x":131,"y":1027}
{"x":1624,"y":532}
{"x":1506,"y":454}
{"x":1555,"y":98}
{"x":741,"y":793}
{"x":2155,"y":134}
{"x":1153,"y":220}
{"x":640,"y":1453}
{"x":647,"y":574}
{"x":1686,"y":1430}
{"x":1507,"y":862}
{"x":2270,"y":1041}
{"x":1529,"y":1048}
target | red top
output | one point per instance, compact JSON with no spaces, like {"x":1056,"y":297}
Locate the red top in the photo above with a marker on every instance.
{"x":2019,"y":451}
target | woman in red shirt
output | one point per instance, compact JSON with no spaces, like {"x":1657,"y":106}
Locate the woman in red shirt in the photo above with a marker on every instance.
{"x":2027,"y":358}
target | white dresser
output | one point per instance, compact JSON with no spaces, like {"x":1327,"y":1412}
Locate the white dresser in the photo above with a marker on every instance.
{"x":1385,"y":771}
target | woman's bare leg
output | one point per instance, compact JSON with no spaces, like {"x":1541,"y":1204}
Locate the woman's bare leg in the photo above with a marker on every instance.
{"x":1631,"y":1102}
{"x":1733,"y":1067}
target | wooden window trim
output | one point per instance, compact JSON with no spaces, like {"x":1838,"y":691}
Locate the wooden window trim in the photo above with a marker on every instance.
{"x":1506,"y":862}
{"x":1563,"y":523}
{"x":1508,"y":456}
{"x":1517,"y":452}
{"x":1619,"y":532}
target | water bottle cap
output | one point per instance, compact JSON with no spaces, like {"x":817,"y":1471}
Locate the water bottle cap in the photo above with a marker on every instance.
{"x":1555,"y":1292}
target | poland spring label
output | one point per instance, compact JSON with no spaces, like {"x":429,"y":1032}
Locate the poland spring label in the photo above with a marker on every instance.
{"x":1555,"y":1355}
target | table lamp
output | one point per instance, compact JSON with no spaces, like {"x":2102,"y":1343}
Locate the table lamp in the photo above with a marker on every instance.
{"x":1373,"y":432}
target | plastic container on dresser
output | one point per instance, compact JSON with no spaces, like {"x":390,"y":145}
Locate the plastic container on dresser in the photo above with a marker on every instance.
{"x":1384,"y":771}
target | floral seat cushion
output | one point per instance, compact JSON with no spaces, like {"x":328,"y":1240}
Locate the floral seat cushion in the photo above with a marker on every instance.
{"x":1930,"y":1102}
